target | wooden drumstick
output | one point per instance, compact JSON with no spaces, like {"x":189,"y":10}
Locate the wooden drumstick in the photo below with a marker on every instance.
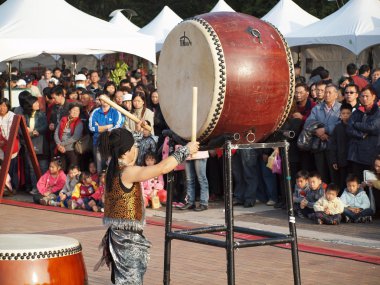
{"x":123,"y":111}
{"x":194,"y":115}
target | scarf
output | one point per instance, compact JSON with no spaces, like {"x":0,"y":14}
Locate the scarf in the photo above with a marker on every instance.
{"x":72,"y":125}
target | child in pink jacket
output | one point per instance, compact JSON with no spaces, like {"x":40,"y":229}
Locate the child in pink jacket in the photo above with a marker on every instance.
{"x":154,"y":186}
{"x":50,"y":184}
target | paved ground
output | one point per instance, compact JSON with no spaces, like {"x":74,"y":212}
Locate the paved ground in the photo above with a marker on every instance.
{"x":198,"y":264}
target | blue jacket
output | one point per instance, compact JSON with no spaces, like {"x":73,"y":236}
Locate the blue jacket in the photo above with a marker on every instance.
{"x":98,"y":118}
{"x":364,"y":130}
{"x":330,"y":120}
{"x":360,"y":200}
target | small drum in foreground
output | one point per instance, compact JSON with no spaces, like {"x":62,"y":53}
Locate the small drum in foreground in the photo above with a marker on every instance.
{"x":41,"y":259}
{"x":243,"y":69}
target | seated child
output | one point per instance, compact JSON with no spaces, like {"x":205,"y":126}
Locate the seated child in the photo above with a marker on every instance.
{"x":50,"y":184}
{"x":65,"y":194}
{"x":328,"y":209}
{"x":316,"y":191}
{"x":356,"y":202}
{"x":97,"y":199}
{"x":83,"y":191}
{"x":300,"y":190}
{"x":147,"y":144}
{"x":93,"y":171}
{"x":155,"y":186}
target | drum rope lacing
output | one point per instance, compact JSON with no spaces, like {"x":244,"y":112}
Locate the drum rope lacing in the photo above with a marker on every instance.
{"x":222,"y":78}
{"x":41,"y":254}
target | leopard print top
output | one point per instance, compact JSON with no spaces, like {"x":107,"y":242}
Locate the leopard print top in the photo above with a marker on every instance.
{"x":124,"y":207}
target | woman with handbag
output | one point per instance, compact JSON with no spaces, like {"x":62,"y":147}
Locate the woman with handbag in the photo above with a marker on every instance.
{"x":68,"y":132}
{"x":37,"y":125}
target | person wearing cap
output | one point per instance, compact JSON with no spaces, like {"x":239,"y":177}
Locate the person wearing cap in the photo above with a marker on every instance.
{"x":21,"y":83}
{"x":44,"y":82}
{"x":127,"y":102}
{"x":53,"y":82}
{"x":80,"y":80}
{"x":33,"y":89}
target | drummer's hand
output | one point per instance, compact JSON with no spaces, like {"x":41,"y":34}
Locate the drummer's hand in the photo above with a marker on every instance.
{"x":193,"y":147}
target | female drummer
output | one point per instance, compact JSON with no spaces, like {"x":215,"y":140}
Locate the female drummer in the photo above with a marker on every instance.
{"x":124,"y":246}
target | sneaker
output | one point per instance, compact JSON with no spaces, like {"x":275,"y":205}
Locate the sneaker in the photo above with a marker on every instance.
{"x":347,"y":219}
{"x":44,"y":201}
{"x":180,"y":205}
{"x":174,"y":204}
{"x":53,"y":203}
{"x":320,"y":222}
{"x":369,"y":219}
{"x":271,"y":203}
{"x":72,"y":205}
{"x":34,"y":191}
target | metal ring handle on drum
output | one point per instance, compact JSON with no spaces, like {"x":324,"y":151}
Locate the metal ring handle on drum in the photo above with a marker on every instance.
{"x":248,"y":135}
{"x":256,"y":33}
{"x":236,"y":136}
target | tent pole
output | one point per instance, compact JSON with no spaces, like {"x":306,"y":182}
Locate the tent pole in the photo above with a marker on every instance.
{"x":9,"y":82}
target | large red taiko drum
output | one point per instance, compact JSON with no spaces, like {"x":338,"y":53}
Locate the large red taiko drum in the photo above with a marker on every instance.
{"x":41,"y":259}
{"x":242,"y":67}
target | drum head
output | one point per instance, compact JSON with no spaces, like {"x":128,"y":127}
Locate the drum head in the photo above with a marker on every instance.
{"x":188,"y":58}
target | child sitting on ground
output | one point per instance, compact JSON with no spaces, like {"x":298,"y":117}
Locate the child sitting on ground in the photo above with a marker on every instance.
{"x":97,"y":199}
{"x":93,"y":171}
{"x":356,"y":202}
{"x":316,"y":191}
{"x":83,"y":191}
{"x":50,"y":184}
{"x":65,"y":194}
{"x":155,"y":186}
{"x":328,"y":209}
{"x":300,"y":190}
{"x":147,"y":144}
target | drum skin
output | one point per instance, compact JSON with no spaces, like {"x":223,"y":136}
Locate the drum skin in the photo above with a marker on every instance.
{"x":250,"y":67}
{"x":41,"y":259}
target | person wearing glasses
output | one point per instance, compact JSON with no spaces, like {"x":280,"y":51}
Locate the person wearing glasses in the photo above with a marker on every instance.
{"x":351,"y":96}
{"x":364,"y":130}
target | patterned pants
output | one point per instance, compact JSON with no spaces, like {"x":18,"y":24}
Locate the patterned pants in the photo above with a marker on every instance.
{"x":328,"y":219}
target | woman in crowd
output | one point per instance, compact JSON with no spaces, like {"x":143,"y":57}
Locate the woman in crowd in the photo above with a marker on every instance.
{"x":110,"y":88}
{"x":140,"y":111}
{"x":68,"y":132}
{"x":37,"y":127}
{"x":159,"y":120}
{"x":6,"y":120}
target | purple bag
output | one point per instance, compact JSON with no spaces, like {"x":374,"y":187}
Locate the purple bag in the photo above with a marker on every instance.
{"x":277,"y":167}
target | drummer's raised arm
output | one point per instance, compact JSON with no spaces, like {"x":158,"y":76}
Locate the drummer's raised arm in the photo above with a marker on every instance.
{"x":139,"y":174}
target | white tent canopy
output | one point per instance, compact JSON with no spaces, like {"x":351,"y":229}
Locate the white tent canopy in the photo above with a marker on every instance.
{"x":30,"y":28}
{"x":122,"y":22}
{"x":161,"y":25}
{"x":222,"y":6}
{"x":288,"y":17}
{"x":355,"y":26}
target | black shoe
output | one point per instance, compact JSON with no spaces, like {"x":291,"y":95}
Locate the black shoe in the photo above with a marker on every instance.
{"x":248,"y":204}
{"x":201,"y":208}
{"x":236,"y":202}
{"x":279,"y":205}
{"x":188,"y":206}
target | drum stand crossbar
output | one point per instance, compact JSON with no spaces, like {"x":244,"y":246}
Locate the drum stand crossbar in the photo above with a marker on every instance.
{"x":230,"y":244}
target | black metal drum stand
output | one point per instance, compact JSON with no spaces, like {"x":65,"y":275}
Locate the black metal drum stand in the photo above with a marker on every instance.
{"x":229,"y":228}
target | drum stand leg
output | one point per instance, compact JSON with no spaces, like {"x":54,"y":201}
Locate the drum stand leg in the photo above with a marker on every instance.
{"x":168,"y":228}
{"x":229,"y":214}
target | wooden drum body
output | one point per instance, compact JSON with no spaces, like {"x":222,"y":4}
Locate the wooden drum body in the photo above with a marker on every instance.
{"x":243,"y":70}
{"x":41,"y":259}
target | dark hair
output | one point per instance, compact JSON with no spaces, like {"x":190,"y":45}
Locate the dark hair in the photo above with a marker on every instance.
{"x":346,"y":106}
{"x":324,"y":74}
{"x":316,"y":71}
{"x":352,"y":178}
{"x":75,"y":104}
{"x":72,"y":167}
{"x":57,"y":161}
{"x":58,"y":90}
{"x":56,"y":68}
{"x":304,"y":85}
{"x":351,"y":69}
{"x":47,"y":92}
{"x":333,"y":187}
{"x":143,"y":97}
{"x":6,"y":102}
{"x":364,"y":68}
{"x":351,"y":84}
{"x":22,"y":97}
{"x":374,"y":171}
{"x":150,"y":154}
{"x":115,"y":144}
{"x":315,"y":174}
{"x":302,"y":174}
{"x":27,"y":105}
{"x":321,"y":82}
{"x":109,"y":83}
{"x":123,"y":81}
{"x":84,"y":175}
{"x":370,"y":89}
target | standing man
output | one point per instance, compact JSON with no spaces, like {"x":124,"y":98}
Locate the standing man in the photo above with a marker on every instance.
{"x":352,"y":72}
{"x":94,"y":86}
{"x":327,"y":113}
{"x":44,"y":82}
{"x":103,"y":119}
